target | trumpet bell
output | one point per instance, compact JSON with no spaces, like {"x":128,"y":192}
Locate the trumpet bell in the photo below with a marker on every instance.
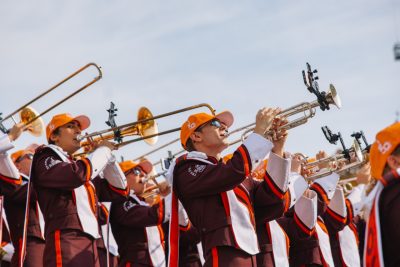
{"x":149,"y":127}
{"x":36,"y":128}
{"x":335,"y":99}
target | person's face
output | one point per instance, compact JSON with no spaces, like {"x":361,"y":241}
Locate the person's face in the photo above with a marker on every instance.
{"x":23,"y":163}
{"x":134,"y":178}
{"x":213,"y":135}
{"x":67,"y":137}
{"x":393,"y":161}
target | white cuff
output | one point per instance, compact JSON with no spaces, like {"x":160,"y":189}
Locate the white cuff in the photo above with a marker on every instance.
{"x":306,"y":209}
{"x":297,"y":186}
{"x":9,"y":248}
{"x":258,"y":148}
{"x":328,"y":183}
{"x":7,"y":167}
{"x":183,"y":217}
{"x":337,"y":203}
{"x":99,"y":160}
{"x":114,"y":175}
{"x":279,"y":169}
{"x":5,"y":143}
{"x":357,"y":198}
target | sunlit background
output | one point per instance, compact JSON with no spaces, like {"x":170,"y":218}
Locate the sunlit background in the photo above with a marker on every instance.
{"x":234,"y":55}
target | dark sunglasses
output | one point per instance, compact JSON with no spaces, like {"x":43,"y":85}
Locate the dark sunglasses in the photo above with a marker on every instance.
{"x":136,"y":171}
{"x":216,"y":123}
{"x":26,"y":156}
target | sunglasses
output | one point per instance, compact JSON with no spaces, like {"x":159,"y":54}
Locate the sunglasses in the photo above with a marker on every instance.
{"x":216,"y":123}
{"x":136,"y":171}
{"x":26,"y":156}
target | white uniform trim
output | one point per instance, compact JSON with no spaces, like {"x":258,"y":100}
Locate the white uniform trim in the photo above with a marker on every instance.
{"x":7,"y":167}
{"x":155,"y":248}
{"x":279,"y":244}
{"x":114,"y":175}
{"x":297,"y":185}
{"x":86,"y":216}
{"x":5,"y":143}
{"x":112,"y":244}
{"x":328,"y":183}
{"x":324,"y":245}
{"x":337,"y":203}
{"x":357,"y":198}
{"x":349,"y":247}
{"x":279,"y":169}
{"x":258,"y":148}
{"x":306,"y":209}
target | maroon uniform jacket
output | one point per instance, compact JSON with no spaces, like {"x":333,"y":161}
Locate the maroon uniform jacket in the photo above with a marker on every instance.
{"x":55,"y":182}
{"x":129,"y":220}
{"x":199,"y":186}
{"x":15,"y":192}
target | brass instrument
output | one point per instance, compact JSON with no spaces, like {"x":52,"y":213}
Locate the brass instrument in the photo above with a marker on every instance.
{"x":308,"y":108}
{"x":334,"y":159}
{"x":33,"y":120}
{"x":145,"y":127}
{"x":153,"y":190}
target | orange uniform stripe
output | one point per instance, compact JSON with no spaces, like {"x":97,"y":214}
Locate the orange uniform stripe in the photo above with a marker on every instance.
{"x":336,"y":216}
{"x":185,"y":228}
{"x":57,"y":240}
{"x":245,"y":161}
{"x":88,"y":168}
{"x":161,"y":212}
{"x":123,"y":192}
{"x":323,"y":227}
{"x":242,"y":195}
{"x":11,"y":180}
{"x":321,"y":192}
{"x":214,"y":253}
{"x":91,"y":197}
{"x":273,"y":187}
{"x":105,"y":210}
{"x":302,"y":226}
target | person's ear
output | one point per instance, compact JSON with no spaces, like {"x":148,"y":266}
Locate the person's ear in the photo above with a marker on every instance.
{"x":195,"y":136}
{"x":392,"y":162}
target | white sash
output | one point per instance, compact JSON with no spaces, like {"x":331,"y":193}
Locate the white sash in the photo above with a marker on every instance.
{"x":156,"y":250}
{"x":349,"y":247}
{"x":86,"y":216}
{"x":324,"y":245}
{"x":279,"y":245}
{"x":243,"y":229}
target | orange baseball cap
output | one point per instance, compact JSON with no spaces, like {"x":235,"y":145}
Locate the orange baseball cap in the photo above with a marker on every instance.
{"x":196,"y":120}
{"x":28,"y":150}
{"x":64,"y":118}
{"x":130,"y":164}
{"x":385,"y":143}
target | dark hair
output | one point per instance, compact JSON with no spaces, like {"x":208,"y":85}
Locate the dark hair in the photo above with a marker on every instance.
{"x":56,"y":132}
{"x":190,"y":145}
{"x":396,"y":152}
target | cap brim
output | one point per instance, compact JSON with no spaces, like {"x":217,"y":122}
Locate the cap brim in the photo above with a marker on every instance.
{"x":146,"y":166}
{"x":226,"y":118}
{"x":83,"y":120}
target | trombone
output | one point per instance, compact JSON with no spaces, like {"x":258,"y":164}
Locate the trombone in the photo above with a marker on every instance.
{"x":32,"y":119}
{"x":145,"y":127}
{"x":308,"y":108}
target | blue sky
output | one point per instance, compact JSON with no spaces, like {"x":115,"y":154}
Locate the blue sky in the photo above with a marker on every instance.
{"x":235,"y":55}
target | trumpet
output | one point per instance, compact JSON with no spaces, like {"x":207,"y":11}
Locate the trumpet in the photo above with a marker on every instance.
{"x":154,"y":190}
{"x":308,"y":108}
{"x":31,"y":119}
{"x":145,"y":127}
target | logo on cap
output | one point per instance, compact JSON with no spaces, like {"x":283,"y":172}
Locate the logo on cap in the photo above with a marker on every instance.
{"x":385,"y":147}
{"x":191,"y":125}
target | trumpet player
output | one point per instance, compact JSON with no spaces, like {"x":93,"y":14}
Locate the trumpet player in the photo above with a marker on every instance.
{"x":137,"y":226}
{"x":219,"y":197}
{"x":14,"y":178}
{"x":383,"y":232}
{"x":68,"y":191}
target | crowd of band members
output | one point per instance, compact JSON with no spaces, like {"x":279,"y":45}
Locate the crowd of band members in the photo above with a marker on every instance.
{"x":250,"y":208}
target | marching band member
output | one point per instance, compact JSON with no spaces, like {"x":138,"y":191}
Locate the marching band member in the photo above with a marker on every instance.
{"x":68,"y":189}
{"x":383,"y":231}
{"x":216,"y":195}
{"x":15,"y":171}
{"x":137,"y":226}
{"x":106,"y":245}
{"x":273,"y":239}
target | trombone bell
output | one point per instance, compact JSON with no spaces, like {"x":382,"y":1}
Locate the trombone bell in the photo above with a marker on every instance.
{"x":149,"y":127}
{"x":36,"y":128}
